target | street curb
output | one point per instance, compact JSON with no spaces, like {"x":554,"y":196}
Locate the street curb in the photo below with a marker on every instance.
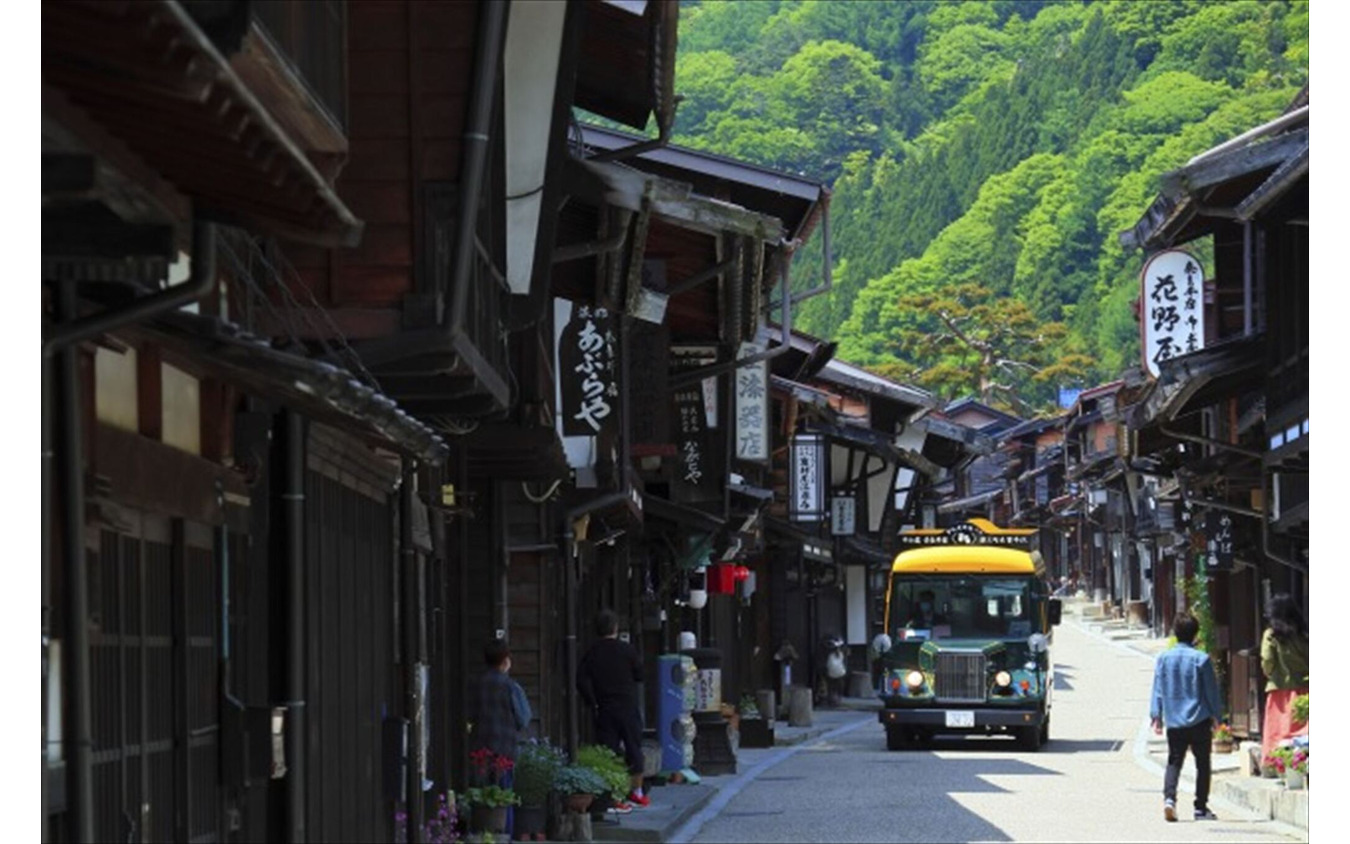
{"x":643,"y":836}
{"x":728,"y":792}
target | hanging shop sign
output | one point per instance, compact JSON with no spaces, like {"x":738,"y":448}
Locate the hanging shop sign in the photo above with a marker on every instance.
{"x":752,"y":407}
{"x":588,"y":371}
{"x":843,"y":515}
{"x":807,"y":478}
{"x":1171,"y":308}
{"x":691,"y":459}
{"x":1218,"y":540}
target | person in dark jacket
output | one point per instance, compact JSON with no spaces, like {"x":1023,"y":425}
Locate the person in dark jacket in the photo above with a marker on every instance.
{"x":499,"y":711}
{"x":608,"y":678}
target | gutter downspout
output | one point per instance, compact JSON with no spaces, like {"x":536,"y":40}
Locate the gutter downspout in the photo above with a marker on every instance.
{"x":293,"y":503}
{"x":491,"y":35}
{"x":570,"y":561}
{"x":1265,"y":529}
{"x":201,"y":281}
{"x":47,"y":420}
{"x":412,"y":655}
{"x":79,"y":764}
{"x":1247,"y":278}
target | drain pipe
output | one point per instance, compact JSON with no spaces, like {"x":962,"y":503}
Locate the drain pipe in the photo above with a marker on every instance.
{"x":1265,"y":529}
{"x":79,"y":764}
{"x":827,"y":263}
{"x":201,"y":281}
{"x":570,"y":561}
{"x":293,"y":503}
{"x":491,"y":35}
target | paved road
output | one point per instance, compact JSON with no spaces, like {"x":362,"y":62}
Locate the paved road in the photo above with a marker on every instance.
{"x":1083,"y":786}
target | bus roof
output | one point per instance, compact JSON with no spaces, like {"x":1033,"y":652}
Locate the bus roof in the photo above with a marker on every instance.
{"x":965,"y":559}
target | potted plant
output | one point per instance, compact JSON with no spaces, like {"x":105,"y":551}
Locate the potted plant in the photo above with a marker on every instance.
{"x":442,"y":828}
{"x":579,"y":786}
{"x":755,"y":730}
{"x":1223,"y":738}
{"x":611,"y":769}
{"x":1296,"y":769}
{"x":537,"y":766}
{"x":490,"y":798}
{"x":1275,"y":764}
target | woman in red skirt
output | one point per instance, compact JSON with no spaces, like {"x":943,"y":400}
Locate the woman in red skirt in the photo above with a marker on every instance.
{"x":1284,"y":660}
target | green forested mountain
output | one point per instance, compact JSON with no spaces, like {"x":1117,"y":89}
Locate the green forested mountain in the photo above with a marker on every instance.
{"x":1003,"y":143}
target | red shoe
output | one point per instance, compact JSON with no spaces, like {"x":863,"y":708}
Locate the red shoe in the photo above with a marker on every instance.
{"x":639,"y":800}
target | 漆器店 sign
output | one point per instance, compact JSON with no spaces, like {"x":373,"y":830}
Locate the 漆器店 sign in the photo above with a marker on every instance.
{"x":587,"y":357}
{"x":806,"y":478}
{"x":752,"y":406}
{"x":1171,"y":308}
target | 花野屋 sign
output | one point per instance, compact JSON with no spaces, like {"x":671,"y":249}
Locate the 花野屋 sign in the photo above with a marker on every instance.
{"x":1171,"y":308}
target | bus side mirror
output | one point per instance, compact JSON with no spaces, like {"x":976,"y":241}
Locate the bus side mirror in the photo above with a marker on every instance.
{"x":1056,"y":611}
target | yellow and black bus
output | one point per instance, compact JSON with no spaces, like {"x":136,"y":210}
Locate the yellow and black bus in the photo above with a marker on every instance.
{"x":966,"y":647}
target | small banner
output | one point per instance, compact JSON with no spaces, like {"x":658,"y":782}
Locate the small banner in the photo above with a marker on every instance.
{"x":806,"y":479}
{"x":587,"y":368}
{"x":752,"y":407}
{"x":1218,"y":540}
{"x":843,"y":515}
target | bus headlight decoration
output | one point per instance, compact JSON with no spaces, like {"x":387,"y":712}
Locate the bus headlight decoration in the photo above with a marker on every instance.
{"x":914,"y":680}
{"x":1003,"y":679}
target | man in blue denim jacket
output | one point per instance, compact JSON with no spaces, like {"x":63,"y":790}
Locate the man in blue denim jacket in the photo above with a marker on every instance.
{"x":1185,"y":698}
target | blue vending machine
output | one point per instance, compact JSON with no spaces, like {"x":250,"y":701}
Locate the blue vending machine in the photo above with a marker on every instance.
{"x":675,"y":723}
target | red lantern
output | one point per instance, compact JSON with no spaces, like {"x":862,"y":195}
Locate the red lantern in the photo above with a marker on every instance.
{"x":721,"y":579}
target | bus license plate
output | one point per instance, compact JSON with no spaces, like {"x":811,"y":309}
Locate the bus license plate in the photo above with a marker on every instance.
{"x":960,"y":719}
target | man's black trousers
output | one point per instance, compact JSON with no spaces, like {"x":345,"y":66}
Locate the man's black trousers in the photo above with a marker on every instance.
{"x":620,"y":730}
{"x":1197,"y":740}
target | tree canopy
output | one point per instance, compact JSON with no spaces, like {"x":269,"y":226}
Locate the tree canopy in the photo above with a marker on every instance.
{"x":998,"y":142}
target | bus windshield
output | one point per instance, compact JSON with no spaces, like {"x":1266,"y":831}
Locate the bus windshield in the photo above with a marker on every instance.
{"x":961,"y":607}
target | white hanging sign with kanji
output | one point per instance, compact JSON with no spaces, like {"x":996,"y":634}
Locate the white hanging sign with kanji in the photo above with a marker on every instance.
{"x":1171,"y":308}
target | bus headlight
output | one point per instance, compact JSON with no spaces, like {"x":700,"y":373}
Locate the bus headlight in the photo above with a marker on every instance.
{"x":1003,"y":679}
{"x":914,"y":680}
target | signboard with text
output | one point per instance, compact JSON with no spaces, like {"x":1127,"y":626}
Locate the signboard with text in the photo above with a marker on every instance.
{"x":587,"y":370}
{"x":752,"y":407}
{"x":806,"y":479}
{"x":1171,"y":308}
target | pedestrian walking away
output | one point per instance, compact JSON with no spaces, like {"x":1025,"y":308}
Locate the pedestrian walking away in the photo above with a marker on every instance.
{"x":1185,"y":700}
{"x":1284,"y":661}
{"x":608,"y":678}
{"x":499,"y":711}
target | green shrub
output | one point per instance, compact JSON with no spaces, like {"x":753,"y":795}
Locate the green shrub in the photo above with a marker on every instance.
{"x":537,"y":765}
{"x":1300,"y":709}
{"x":577,"y":779}
{"x":608,"y":765}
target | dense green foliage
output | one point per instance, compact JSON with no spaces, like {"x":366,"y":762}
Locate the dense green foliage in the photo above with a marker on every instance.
{"x":998,"y":142}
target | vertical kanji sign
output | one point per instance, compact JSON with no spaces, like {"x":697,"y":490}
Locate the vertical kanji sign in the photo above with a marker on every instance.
{"x":752,"y":407}
{"x":587,"y":353}
{"x":806,"y":479}
{"x":1171,"y":308}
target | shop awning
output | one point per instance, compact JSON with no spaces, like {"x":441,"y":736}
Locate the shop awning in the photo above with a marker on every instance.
{"x":1188,"y":383}
{"x":313,"y":388}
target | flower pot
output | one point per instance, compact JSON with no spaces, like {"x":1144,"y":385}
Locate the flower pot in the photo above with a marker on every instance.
{"x":1269,"y":772}
{"x":489,"y":819}
{"x":1295,"y":780}
{"x":530,"y":821}
{"x":1221,"y":746}
{"x":578,"y":802}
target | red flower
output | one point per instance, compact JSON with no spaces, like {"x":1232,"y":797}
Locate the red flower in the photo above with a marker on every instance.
{"x":503,"y":764}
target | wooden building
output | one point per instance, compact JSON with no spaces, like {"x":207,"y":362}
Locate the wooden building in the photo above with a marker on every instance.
{"x":1229,"y":423}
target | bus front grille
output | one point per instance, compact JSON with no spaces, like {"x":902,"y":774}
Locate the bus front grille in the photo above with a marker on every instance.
{"x":960,"y":677}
